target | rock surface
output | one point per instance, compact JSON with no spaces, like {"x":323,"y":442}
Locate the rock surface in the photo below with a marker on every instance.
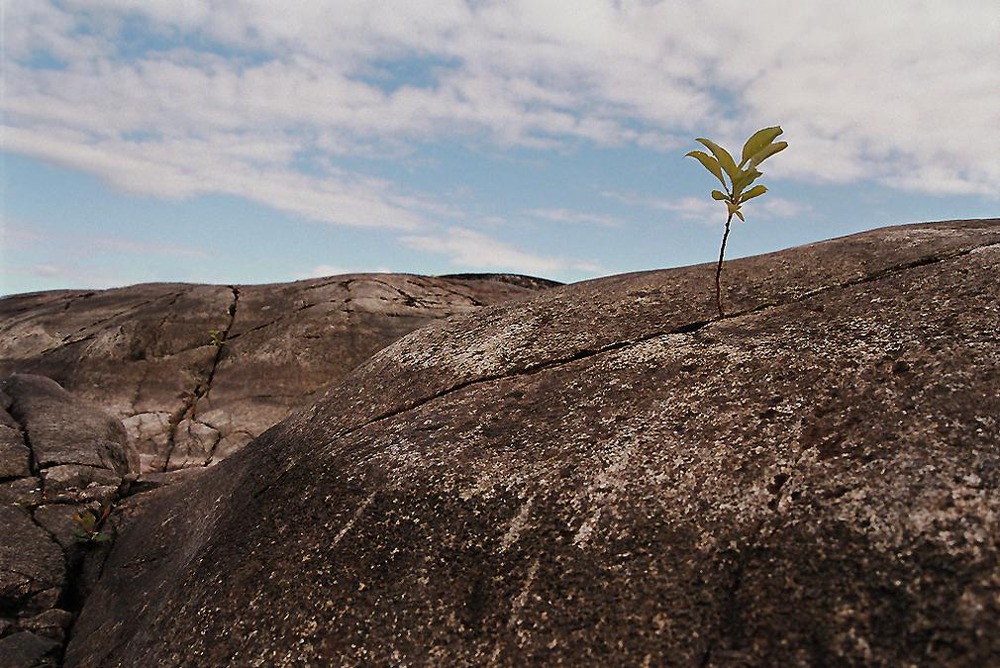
{"x":196,"y":371}
{"x":606,"y":475}
{"x":60,"y":457}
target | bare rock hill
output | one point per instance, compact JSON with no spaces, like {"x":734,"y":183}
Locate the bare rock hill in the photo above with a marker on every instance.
{"x":605,"y":474}
{"x":196,"y":371}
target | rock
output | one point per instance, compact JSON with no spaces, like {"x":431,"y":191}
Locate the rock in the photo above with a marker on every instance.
{"x":147,"y":482}
{"x":606,"y":474}
{"x":15,"y":457}
{"x":63,"y":430}
{"x":28,"y":650}
{"x":31,"y":564}
{"x":152,"y":429}
{"x":50,"y":624}
{"x":25,"y":491}
{"x":75,"y":483}
{"x":196,"y":372}
{"x":57,"y":520}
{"x":65,"y":456}
{"x":81,"y":453}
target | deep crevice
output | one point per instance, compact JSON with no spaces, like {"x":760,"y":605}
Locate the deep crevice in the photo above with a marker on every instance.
{"x":33,"y":465}
{"x":203,"y":386}
{"x":75,"y":592}
{"x":231,"y":312}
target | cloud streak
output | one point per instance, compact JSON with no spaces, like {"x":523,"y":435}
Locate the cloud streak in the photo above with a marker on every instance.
{"x":237,"y":97}
{"x":568,"y":216}
{"x":469,"y":248}
{"x":710,"y":212}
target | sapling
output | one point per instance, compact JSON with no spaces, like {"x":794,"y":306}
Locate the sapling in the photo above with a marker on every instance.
{"x":721,"y":164}
{"x":217,"y":337}
{"x":88,"y":525}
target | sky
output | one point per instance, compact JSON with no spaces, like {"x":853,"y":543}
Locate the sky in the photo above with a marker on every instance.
{"x":255,"y":141}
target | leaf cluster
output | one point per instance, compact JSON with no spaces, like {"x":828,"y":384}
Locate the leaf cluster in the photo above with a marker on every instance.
{"x":758,"y":148}
{"x":217,"y":337}
{"x":88,"y":527}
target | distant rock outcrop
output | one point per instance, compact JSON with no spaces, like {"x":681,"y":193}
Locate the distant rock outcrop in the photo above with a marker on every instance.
{"x":196,"y":371}
{"x":605,"y":474}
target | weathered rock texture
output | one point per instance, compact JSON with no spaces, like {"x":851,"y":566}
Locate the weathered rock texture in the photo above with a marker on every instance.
{"x":606,"y":475}
{"x":59,"y":457}
{"x":196,"y":371}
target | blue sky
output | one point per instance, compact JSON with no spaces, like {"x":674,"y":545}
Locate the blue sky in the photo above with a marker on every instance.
{"x":252,"y":141}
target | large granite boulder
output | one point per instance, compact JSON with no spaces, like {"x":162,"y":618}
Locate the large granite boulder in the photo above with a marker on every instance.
{"x":605,"y":474}
{"x":196,"y":371}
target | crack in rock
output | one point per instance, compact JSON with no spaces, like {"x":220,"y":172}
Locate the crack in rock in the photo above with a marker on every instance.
{"x":202,"y":388}
{"x":586,"y":353}
{"x":687,"y":328}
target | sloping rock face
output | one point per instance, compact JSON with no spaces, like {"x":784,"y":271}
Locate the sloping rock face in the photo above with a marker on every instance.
{"x":606,"y":475}
{"x":60,"y":457}
{"x":196,"y":371}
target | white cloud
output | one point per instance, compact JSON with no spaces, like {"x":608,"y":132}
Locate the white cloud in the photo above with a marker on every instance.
{"x":779,"y":207}
{"x":45,"y":271}
{"x":109,"y":245}
{"x":901,"y":92}
{"x":711,"y":212}
{"x":474,"y":250}
{"x":59,"y":275}
{"x":568,"y":216}
{"x":322,"y":271}
{"x":701,"y":209}
{"x":189,"y":167}
{"x":18,"y":235}
{"x":32,"y":28}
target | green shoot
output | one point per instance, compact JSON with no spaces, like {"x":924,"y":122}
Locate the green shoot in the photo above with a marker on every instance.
{"x":736,"y":180}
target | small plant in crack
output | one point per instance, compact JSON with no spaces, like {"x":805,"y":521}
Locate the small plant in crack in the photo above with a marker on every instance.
{"x":89,"y":526}
{"x":758,"y":148}
{"x":217,"y":337}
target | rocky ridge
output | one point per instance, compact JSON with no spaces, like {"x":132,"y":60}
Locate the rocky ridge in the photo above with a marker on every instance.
{"x":196,"y":371}
{"x":606,"y":473}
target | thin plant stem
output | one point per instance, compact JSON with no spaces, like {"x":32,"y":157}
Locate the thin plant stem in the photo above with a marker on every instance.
{"x":718,"y":269}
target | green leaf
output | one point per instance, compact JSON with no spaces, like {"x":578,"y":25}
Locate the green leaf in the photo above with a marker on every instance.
{"x":758,"y":141}
{"x":739,"y":214}
{"x":709,"y":163}
{"x":747,"y":177}
{"x":722,"y":155}
{"x":767,"y":152}
{"x":719,"y":195}
{"x":756,"y":191}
